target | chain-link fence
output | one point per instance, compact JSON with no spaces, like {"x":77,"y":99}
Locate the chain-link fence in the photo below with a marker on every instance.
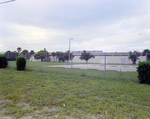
{"x":104,"y":65}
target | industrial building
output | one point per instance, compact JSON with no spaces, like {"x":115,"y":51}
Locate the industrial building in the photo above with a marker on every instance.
{"x":111,"y":57}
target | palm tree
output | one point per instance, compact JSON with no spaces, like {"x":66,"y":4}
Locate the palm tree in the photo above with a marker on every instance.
{"x":133,"y":56}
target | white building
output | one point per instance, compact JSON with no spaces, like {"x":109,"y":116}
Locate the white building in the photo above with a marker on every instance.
{"x":111,"y":57}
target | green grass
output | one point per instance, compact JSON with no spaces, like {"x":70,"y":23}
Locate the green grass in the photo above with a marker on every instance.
{"x":58,"y":94}
{"x":40,"y":66}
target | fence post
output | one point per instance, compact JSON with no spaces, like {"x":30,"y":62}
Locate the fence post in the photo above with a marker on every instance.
{"x":25,"y":56}
{"x":71,"y":64}
{"x":46,"y":61}
{"x":146,"y":57}
{"x":8,"y":57}
{"x":105,"y":67}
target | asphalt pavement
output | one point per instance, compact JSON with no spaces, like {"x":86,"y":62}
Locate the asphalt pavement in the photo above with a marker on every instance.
{"x":124,"y":68}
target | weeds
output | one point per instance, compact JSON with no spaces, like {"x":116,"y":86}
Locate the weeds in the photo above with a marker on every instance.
{"x":121,"y":76}
{"x":83,"y":74}
{"x":36,"y":94}
{"x":39,"y":66}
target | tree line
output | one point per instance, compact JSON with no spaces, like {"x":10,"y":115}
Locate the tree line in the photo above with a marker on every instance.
{"x":134,"y":56}
{"x":12,"y":55}
{"x":42,"y":54}
{"x":61,"y":56}
{"x":64,"y":56}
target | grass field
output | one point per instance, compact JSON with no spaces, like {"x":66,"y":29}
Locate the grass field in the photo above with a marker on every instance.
{"x":56,"y":93}
{"x":40,"y":66}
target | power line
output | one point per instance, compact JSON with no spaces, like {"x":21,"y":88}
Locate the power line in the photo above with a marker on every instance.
{"x":7,"y":1}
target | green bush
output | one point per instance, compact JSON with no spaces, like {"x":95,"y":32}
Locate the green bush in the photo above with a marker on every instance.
{"x":21,"y":63}
{"x":144,"y":72}
{"x":3,"y":61}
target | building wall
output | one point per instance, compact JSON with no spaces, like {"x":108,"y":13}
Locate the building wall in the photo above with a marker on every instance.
{"x":33,"y":59}
{"x":109,"y":59}
{"x":100,"y":59}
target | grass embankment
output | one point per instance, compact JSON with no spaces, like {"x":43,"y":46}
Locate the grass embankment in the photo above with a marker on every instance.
{"x":36,"y":94}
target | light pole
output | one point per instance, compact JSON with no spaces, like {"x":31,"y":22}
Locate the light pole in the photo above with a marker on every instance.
{"x":69,"y":48}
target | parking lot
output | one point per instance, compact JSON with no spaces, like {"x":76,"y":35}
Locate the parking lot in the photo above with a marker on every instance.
{"x":124,"y":68}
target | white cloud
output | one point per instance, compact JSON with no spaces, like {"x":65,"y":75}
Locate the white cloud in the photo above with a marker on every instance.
{"x":94,"y":25}
{"x":29,"y":36}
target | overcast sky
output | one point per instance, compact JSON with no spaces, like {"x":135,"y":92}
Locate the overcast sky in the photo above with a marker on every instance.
{"x":107,"y":25}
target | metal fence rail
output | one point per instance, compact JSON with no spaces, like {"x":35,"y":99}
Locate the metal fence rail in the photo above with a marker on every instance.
{"x":103,"y":65}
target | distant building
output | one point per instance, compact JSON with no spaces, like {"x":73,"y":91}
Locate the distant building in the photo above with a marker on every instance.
{"x":92,"y":51}
{"x":111,"y":57}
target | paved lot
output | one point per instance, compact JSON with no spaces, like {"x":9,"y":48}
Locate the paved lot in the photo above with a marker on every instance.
{"x":100,"y":67}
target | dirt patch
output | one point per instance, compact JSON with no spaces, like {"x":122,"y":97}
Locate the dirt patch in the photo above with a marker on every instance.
{"x":2,"y":102}
{"x":8,"y":117}
{"x":50,"y":108}
{"x":96,"y":97}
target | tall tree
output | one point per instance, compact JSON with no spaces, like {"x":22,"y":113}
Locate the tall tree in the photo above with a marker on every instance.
{"x":86,"y":56}
{"x":31,"y":54}
{"x":26,"y":54}
{"x":60,"y":56}
{"x":66,"y":56}
{"x":11,"y":55}
{"x":53,"y":54}
{"x":19,"y":49}
{"x":41,"y":55}
{"x":133,"y":56}
{"x":146,"y":52}
{"x":8,"y":55}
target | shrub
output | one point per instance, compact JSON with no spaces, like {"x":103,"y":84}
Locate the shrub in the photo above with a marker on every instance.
{"x":144,"y":72}
{"x":3,"y":61}
{"x":21,"y":63}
